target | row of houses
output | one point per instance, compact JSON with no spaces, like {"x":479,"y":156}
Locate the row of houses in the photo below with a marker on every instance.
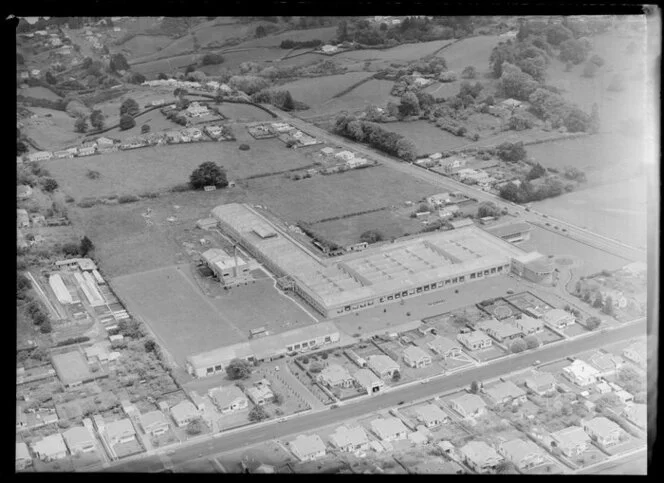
{"x":346,"y":158}
{"x":174,"y":83}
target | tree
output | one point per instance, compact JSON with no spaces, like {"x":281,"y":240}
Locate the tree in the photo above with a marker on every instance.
{"x":607,"y":401}
{"x":81,"y":124}
{"x":556,"y":34}
{"x":49,"y":185}
{"x":396,"y":376}
{"x":145,"y":128}
{"x":288,"y":103}
{"x":118,"y":62}
{"x":195,"y":427}
{"x":590,"y":69}
{"x":238,"y":369}
{"x":409,"y":105}
{"x":278,"y":399}
{"x":97,"y":119}
{"x":50,"y":78}
{"x":598,"y":302}
{"x":208,"y":174}
{"x":137,"y":78}
{"x":86,"y":246}
{"x":260,"y":32}
{"x":129,"y":106}
{"x":70,"y":249}
{"x":488,"y":208}
{"x":130,"y":328}
{"x":126,"y":122}
{"x":607,"y":308}
{"x":45,"y":327}
{"x":150,"y":345}
{"x":505,"y":467}
{"x":212,"y":59}
{"x":593,"y":322}
{"x":512,"y":152}
{"x":519,"y":345}
{"x":342,"y":31}
{"x":474,"y":387}
{"x":23,"y":283}
{"x":536,"y":171}
{"x":162,"y":76}
{"x":516,"y":83}
{"x":371,"y":236}
{"x":573,"y":51}
{"x":532,"y":342}
{"x":257,"y":413}
{"x":469,"y":72}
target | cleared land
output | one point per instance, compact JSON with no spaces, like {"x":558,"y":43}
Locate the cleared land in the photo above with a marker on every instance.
{"x":316,"y":90}
{"x":39,"y":92}
{"x":243,"y":113}
{"x":144,"y":45}
{"x":404,"y":53}
{"x":473,"y":51}
{"x":372,"y":92}
{"x":427,"y":137}
{"x":52,"y":132}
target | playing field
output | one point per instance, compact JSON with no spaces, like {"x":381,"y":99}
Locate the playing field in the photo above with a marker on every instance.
{"x":187,"y":322}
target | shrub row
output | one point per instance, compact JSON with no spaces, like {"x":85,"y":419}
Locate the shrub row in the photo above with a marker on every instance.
{"x":349,"y":215}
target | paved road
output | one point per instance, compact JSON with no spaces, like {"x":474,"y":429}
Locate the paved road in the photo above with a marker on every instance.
{"x":578,"y":233}
{"x":631,"y":464}
{"x":311,"y":421}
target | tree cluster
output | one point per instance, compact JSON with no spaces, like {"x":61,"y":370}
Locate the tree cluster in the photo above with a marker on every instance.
{"x":281,"y":99}
{"x":377,"y":137}
{"x":371,"y":236}
{"x":238,"y":369}
{"x":249,"y":84}
{"x":212,"y":59}
{"x":208,"y":174}
{"x":511,"y":152}
{"x":305,"y":44}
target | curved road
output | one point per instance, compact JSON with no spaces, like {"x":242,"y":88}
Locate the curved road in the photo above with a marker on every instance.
{"x":252,"y":435}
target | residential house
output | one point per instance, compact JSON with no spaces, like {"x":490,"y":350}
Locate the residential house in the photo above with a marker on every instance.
{"x":37,"y":219}
{"x":452,"y":164}
{"x":307,"y":448}
{"x":511,"y":104}
{"x":198,"y":400}
{"x":25,"y":75}
{"x":327,"y":151}
{"x":260,"y":394}
{"x":449,"y":211}
{"x":618,"y":298}
{"x":581,"y":373}
{"x":480,"y":457}
{"x":604,"y":431}
{"x":456,"y":224}
{"x":415,"y":357}
{"x":383,"y":365}
{"x":228,"y":399}
{"x":603,"y":387}
{"x":499,"y":330}
{"x":559,"y":318}
{"x":624,"y":396}
{"x":79,"y":439}
{"x":184,"y":413}
{"x":523,"y":453}
{"x":505,"y":393}
{"x":571,"y":441}
{"x":475,"y":340}
{"x":105,"y":145}
{"x":438,"y":200}
{"x":22,"y":218}
{"x":282,"y":127}
{"x":328,"y":49}
{"x":336,"y":375}
{"x":389,"y":429}
{"x":541,"y":383}
{"x":87,"y":150}
{"x":350,"y":439}
{"x":173,"y":137}
{"x":120,"y":431}
{"x":606,"y":364}
{"x":369,"y":381}
{"x":50,"y":448}
{"x":345,"y":155}
{"x":35,"y":72}
{"x":23,"y":192}
{"x":40,"y":156}
{"x":154,"y":423}
{"x":445,"y":347}
{"x":355,"y":163}
{"x":193,"y":133}
{"x":470,"y":406}
{"x":527,"y":325}
{"x":23,"y":458}
{"x":636,"y":353}
{"x":637,"y":414}
{"x":431,"y":415}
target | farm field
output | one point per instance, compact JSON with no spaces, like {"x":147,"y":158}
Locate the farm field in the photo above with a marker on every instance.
{"x":404,"y":53}
{"x":170,"y":65}
{"x":473,"y":51}
{"x":39,"y":92}
{"x":443,"y":89}
{"x":323,"y":33}
{"x":142,"y":95}
{"x":155,"y":119}
{"x":427,"y":138}
{"x":316,"y":90}
{"x":143,"y":46}
{"x":372,"y":92}
{"x":236,"y":55}
{"x":174,"y":164}
{"x":243,"y":113}
{"x":319,"y":197}
{"x":52,"y":133}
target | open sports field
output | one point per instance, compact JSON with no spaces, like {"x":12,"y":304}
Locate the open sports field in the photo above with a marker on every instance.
{"x":473,"y":51}
{"x":427,"y":137}
{"x":322,"y":196}
{"x":187,"y":322}
{"x":314,"y":91}
{"x":159,"y":168}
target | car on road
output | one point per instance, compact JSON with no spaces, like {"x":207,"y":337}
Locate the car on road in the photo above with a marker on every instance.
{"x":510,"y":292}
{"x":282,"y":420}
{"x":537,"y":363}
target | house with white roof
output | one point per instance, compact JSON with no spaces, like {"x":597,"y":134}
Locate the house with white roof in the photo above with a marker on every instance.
{"x":480,"y":457}
{"x":541,"y":383}
{"x":581,"y":373}
{"x":505,"y":393}
{"x":604,"y":431}
{"x":440,"y":199}
{"x":79,"y":439}
{"x":606,"y":364}
{"x":328,"y":49}
{"x":120,"y":431}
{"x":154,"y":423}
{"x":369,"y":381}
{"x":431,"y":415}
{"x":637,"y":414}
{"x":345,"y":155}
{"x":350,"y":439}
{"x":617,"y":297}
{"x":523,"y":453}
{"x":260,"y":393}
{"x":184,"y":413}
{"x":499,"y":330}
{"x":444,"y":347}
{"x":475,"y":340}
{"x":527,"y":325}
{"x":571,"y":441}
{"x":40,"y":156}
{"x":307,"y":448}
{"x":415,"y":357}
{"x":559,"y":318}
{"x":389,"y":429}
{"x":636,"y":353}
{"x":23,"y":458}
{"x":50,"y":448}
{"x":327,"y":151}
{"x":383,"y":365}
{"x":336,"y":375}
{"x":228,"y":399}
{"x":470,"y":406}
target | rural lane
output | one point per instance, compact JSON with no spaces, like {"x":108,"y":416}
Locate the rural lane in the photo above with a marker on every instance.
{"x":252,"y":435}
{"x":578,"y":233}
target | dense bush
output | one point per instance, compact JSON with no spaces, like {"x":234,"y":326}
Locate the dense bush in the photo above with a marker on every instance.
{"x":212,"y":59}
{"x":379,"y":138}
{"x":128,"y":199}
{"x":306,"y":44}
{"x":208,"y":174}
{"x":126,"y":122}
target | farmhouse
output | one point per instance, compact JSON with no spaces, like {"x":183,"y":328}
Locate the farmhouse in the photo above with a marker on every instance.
{"x":470,"y":406}
{"x":154,"y":423}
{"x":512,"y":104}
{"x":281,"y":127}
{"x":328,"y":49}
{"x":618,"y":299}
{"x":71,"y":368}
{"x":79,"y":440}
{"x":527,"y":325}
{"x":50,"y":448}
{"x":559,"y":318}
{"x":350,"y":439}
{"x":604,"y":431}
{"x":87,"y":150}
{"x":416,"y":357}
{"x":225,"y":267}
{"x":431,"y":415}
{"x":336,"y":375}
{"x":636,"y":353}
{"x":228,"y":399}
{"x":512,"y":232}
{"x":571,"y":441}
{"x":23,"y":458}
{"x":389,"y":429}
{"x":183,"y":413}
{"x":369,"y":381}
{"x":327,"y":151}
{"x":499,"y":330}
{"x":505,"y":393}
{"x":264,"y":348}
{"x":120,"y":432}
{"x":475,"y":340}
{"x":344,"y":155}
{"x":581,"y":373}
{"x":523,"y":453}
{"x":307,"y":448}
{"x":383,"y":366}
{"x":541,"y":383}
{"x":381,"y":274}
{"x":480,"y":457}
{"x":637,"y":414}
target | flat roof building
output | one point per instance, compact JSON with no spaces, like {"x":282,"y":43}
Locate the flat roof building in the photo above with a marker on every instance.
{"x":379,"y":275}
{"x":512,"y":232}
{"x":223,"y":265}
